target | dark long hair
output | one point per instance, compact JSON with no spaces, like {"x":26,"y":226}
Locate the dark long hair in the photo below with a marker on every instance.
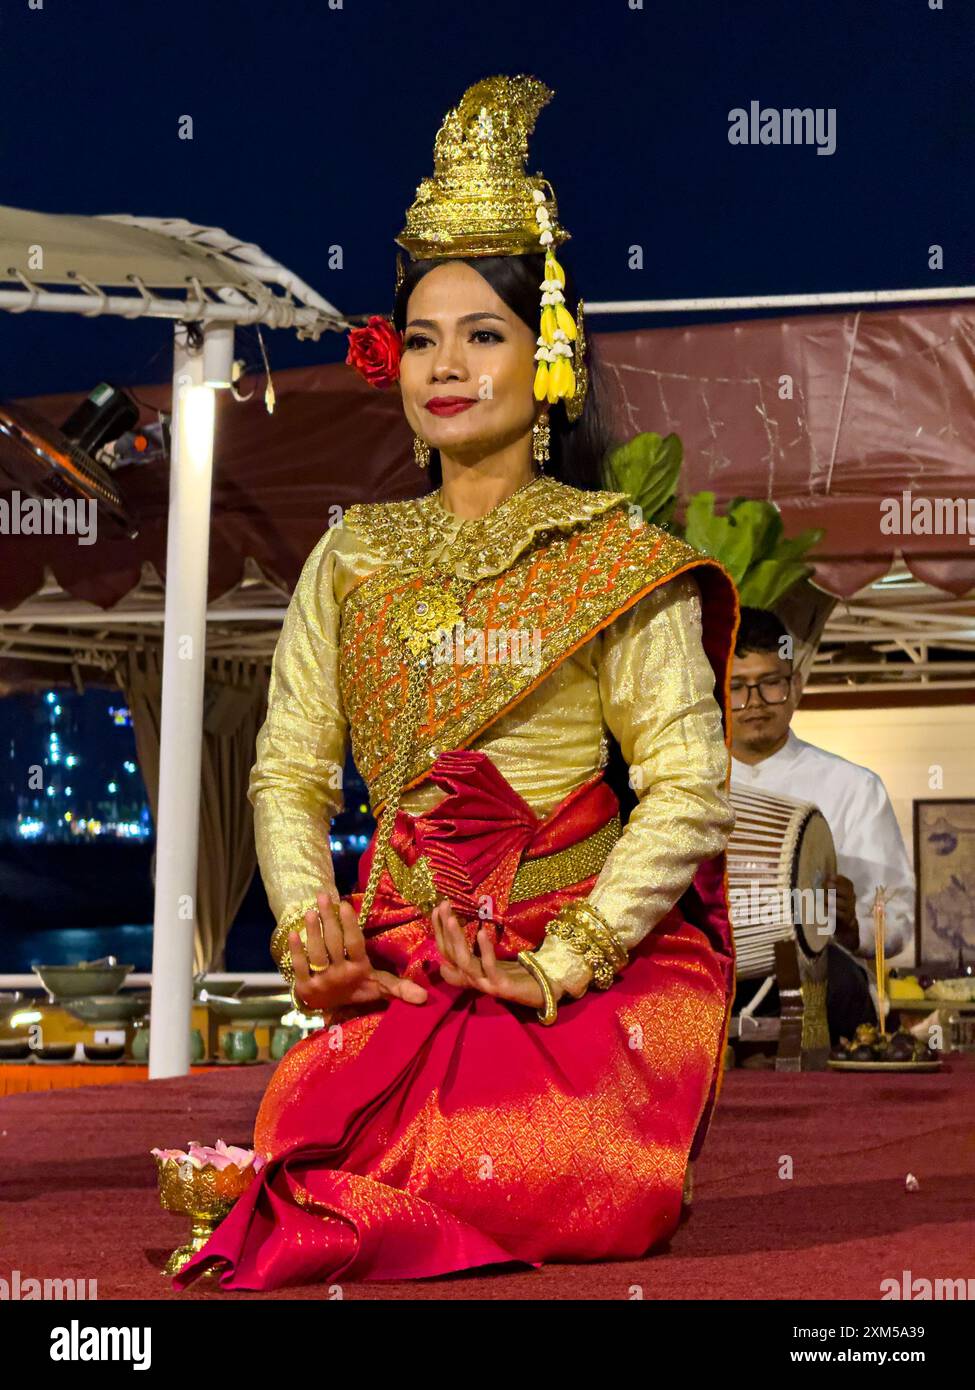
{"x":576,"y":451}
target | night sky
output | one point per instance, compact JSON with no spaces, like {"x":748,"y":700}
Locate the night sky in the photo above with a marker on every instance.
{"x":313,"y":126}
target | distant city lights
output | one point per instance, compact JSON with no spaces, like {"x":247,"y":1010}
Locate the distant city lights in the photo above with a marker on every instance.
{"x":342,"y":844}
{"x":91,"y":828}
{"x":105,"y":799}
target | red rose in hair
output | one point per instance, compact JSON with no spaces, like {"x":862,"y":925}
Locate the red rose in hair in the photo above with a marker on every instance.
{"x":374,"y":351}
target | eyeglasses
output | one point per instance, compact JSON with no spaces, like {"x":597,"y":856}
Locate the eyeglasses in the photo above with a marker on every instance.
{"x":772,"y":690}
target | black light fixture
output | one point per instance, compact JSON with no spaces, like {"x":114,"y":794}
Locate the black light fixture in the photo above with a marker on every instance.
{"x":51,"y":462}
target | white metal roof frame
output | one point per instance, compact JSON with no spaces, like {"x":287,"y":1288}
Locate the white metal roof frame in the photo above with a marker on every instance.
{"x":168,"y":268}
{"x":120,"y":264}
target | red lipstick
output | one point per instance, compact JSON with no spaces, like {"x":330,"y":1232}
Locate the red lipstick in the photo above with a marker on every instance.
{"x":449,"y":405}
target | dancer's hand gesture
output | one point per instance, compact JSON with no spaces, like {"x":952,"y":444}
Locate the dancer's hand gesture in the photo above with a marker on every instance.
{"x":335,"y":969}
{"x":505,"y":979}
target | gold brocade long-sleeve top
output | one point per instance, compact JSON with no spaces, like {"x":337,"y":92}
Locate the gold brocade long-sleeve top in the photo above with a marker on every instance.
{"x":644,"y":678}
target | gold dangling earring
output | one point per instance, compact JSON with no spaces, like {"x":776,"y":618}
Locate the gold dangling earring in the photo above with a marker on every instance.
{"x":421,"y":452}
{"x":541,"y":435}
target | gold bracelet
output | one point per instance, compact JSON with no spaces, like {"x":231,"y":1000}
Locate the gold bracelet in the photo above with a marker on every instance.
{"x":592,"y":921}
{"x":303,"y":1008}
{"x":577,"y":940}
{"x":585,"y":931}
{"x":280,"y":954}
{"x":549,"y":1011}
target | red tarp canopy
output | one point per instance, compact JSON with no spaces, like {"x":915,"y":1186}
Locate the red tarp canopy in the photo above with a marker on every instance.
{"x":879,"y":403}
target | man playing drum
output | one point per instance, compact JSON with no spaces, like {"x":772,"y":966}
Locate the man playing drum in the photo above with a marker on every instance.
{"x":767,"y":756}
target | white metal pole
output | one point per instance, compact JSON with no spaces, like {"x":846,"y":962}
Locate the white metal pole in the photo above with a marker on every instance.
{"x":825,"y":300}
{"x":181,"y":735}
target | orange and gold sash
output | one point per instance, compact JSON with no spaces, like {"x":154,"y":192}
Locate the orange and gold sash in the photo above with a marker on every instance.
{"x":559,"y":592}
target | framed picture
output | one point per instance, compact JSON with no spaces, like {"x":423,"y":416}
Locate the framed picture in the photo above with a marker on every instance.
{"x":944,"y":865}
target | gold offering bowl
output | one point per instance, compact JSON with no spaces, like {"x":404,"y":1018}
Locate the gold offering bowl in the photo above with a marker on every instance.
{"x":205,"y":1195}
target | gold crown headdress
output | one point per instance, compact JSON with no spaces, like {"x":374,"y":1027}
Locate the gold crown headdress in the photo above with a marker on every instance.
{"x":481,"y":202}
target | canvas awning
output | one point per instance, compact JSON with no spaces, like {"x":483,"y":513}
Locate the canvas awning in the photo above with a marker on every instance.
{"x":158,"y":267}
{"x":55,"y":247}
{"x":881,"y":403}
{"x":827,"y":415}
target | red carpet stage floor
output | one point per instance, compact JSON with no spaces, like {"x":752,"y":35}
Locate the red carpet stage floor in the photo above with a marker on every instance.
{"x":78,"y":1199}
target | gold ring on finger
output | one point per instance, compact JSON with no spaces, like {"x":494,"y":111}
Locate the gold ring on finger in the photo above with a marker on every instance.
{"x":317,"y":969}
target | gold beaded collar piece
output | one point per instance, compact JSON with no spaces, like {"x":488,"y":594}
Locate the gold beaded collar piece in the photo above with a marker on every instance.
{"x":420,"y":534}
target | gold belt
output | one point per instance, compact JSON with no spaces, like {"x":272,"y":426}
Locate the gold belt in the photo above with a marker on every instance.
{"x":415,"y":884}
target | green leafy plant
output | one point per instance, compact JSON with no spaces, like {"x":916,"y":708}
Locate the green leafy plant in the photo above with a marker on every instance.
{"x":747,"y":539}
{"x":646,"y":468}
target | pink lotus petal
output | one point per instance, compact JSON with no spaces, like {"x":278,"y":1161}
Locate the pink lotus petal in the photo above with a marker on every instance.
{"x":220,"y":1156}
{"x":202,"y":1154}
{"x":202,"y":1149}
{"x":223,"y":1155}
{"x":242,"y":1157}
{"x":196,"y":1153}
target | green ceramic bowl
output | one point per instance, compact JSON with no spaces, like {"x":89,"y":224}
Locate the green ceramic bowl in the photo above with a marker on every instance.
{"x":213,"y":986}
{"x":262,"y":1008}
{"x":109,"y":1008}
{"x":82,"y":981}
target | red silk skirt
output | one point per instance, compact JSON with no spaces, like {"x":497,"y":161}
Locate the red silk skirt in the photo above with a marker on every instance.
{"x":416,"y":1140}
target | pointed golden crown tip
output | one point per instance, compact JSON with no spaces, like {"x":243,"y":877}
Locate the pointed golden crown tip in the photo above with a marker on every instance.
{"x":480,"y":200}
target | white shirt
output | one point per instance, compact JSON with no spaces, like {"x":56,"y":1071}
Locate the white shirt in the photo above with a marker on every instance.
{"x":869,"y":845}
